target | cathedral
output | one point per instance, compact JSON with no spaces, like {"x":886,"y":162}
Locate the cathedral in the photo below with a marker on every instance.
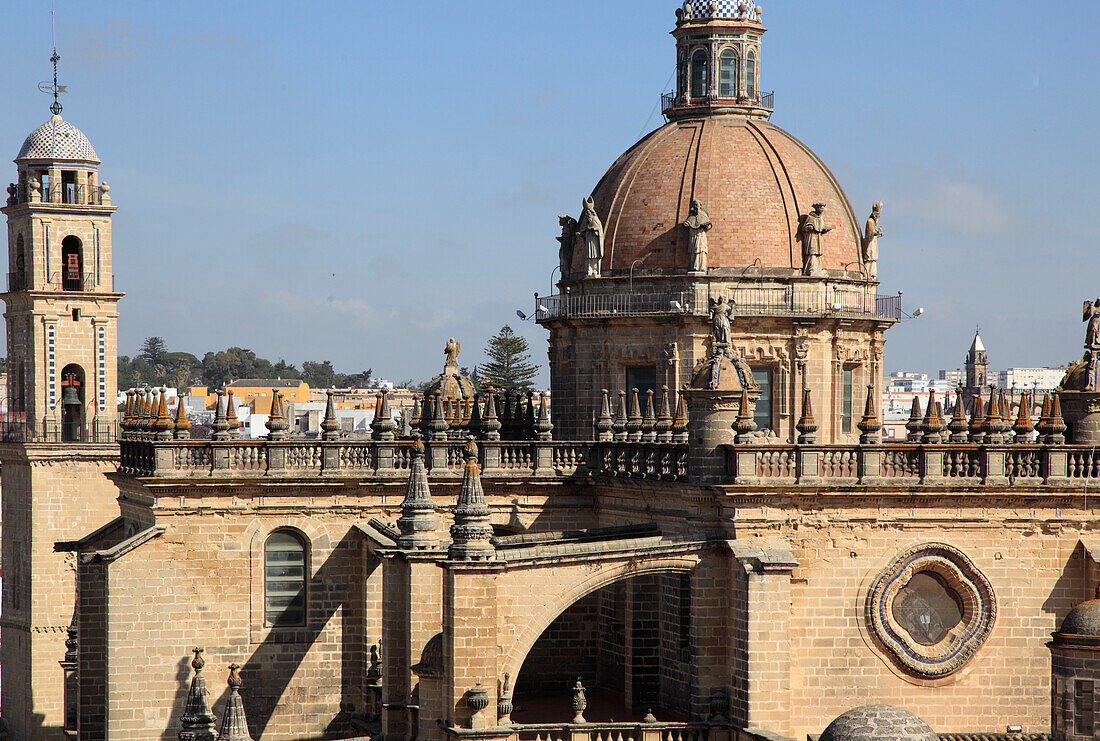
{"x":705,"y":538}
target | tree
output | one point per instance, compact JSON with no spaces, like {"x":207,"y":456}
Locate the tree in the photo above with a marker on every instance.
{"x":319,"y":375}
{"x":153,"y":350}
{"x":509,"y":367}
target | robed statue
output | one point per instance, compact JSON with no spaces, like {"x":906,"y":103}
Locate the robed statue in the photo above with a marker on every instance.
{"x":870,"y":241}
{"x":568,"y":238}
{"x":591,"y":230}
{"x":1091,"y":315}
{"x":698,"y":224}
{"x":721,"y":316}
{"x":812,"y":233}
{"x":451,"y":351}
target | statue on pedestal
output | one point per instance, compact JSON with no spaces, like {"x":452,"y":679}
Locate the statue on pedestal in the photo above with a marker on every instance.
{"x":1091,"y":314}
{"x":591,"y":230}
{"x":451,"y":351}
{"x":721,"y":315}
{"x":811,"y":232}
{"x":568,"y":238}
{"x":698,"y":224}
{"x":870,"y":241}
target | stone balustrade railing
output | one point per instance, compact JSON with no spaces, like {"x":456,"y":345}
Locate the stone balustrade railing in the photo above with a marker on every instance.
{"x":659,"y":461}
{"x":756,"y":465}
{"x":296,"y":457}
{"x":656,"y":731}
{"x":911,"y":464}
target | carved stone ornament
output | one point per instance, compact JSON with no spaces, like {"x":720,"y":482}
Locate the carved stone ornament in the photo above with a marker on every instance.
{"x":931,"y":610}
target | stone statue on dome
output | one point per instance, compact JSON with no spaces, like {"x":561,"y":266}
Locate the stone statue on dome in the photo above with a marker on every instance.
{"x":451,"y":351}
{"x":1091,"y":315}
{"x":870,"y":241}
{"x":721,"y":315}
{"x":811,"y":232}
{"x":698,"y":224}
{"x":591,"y":230}
{"x":568,"y":238}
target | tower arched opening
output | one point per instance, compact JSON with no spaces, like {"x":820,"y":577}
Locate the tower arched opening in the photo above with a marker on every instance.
{"x":72,"y":403}
{"x":729,"y":74}
{"x":72,"y":264}
{"x":630,"y":645}
{"x":19,"y":279}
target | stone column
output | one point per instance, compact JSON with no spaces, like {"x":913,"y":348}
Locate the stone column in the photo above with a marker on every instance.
{"x":470,"y":642}
{"x":761,"y":641}
{"x":711,"y":415}
{"x":412,"y":585}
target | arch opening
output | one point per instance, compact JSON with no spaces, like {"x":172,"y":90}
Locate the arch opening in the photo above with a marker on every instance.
{"x":629,"y":643}
{"x":19,"y":279}
{"x":699,"y":74}
{"x":729,"y":77}
{"x":72,"y":403}
{"x":750,"y":74}
{"x":72,"y":264}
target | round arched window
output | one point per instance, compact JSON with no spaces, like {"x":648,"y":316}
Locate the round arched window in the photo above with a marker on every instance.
{"x":699,"y":74}
{"x":284,"y":579}
{"x":750,"y":74}
{"x":729,"y":72}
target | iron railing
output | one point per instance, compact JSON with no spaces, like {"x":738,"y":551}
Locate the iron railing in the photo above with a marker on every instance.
{"x":792,"y":300}
{"x":61,"y":193}
{"x":670,"y":101}
{"x":22,"y":428}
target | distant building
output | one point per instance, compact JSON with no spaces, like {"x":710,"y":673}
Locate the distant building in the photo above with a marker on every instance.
{"x":956,"y":376}
{"x":1026,"y":379}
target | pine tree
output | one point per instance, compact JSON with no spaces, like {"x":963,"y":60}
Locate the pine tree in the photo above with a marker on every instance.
{"x":153,"y":350}
{"x":509,"y":367}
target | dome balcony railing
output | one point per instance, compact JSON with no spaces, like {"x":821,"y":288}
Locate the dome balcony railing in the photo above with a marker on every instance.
{"x":671,"y":101}
{"x":61,"y":193}
{"x":814,"y":300}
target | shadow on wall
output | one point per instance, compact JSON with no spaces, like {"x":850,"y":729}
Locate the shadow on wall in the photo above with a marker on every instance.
{"x":336,"y":587}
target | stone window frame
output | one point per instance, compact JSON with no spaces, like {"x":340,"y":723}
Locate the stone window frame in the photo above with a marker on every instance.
{"x":962,"y":642}
{"x":693,"y":54}
{"x":739,"y":76}
{"x":316,"y":541}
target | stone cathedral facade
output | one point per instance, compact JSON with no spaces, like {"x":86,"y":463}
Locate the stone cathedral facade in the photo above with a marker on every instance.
{"x":706,"y":539}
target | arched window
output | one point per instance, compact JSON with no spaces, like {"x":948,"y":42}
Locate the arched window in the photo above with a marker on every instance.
{"x":729,"y":83}
{"x":699,"y":74}
{"x":750,"y":74}
{"x":72,"y":264}
{"x":19,"y":281}
{"x":72,"y":403}
{"x":284,"y":579}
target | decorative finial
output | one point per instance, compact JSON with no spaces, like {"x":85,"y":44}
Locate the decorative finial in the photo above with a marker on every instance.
{"x":234,"y":725}
{"x":198,"y":721}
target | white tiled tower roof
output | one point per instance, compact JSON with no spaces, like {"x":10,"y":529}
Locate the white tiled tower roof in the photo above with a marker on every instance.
{"x":57,"y":139}
{"x":698,"y":9}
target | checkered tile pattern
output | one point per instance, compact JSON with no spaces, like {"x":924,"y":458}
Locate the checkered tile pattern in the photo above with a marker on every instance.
{"x":57,"y":139}
{"x":726,"y":9}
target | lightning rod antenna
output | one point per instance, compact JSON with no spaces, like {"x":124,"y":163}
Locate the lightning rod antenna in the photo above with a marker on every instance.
{"x":56,"y":107}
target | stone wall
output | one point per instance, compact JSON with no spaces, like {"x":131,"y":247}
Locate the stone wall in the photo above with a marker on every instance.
{"x":568,"y":649}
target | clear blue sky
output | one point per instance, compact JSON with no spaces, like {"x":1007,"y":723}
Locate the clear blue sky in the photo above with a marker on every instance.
{"x":358,"y":181}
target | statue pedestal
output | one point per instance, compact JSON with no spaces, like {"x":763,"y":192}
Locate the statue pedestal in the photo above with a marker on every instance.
{"x":1081,"y":412}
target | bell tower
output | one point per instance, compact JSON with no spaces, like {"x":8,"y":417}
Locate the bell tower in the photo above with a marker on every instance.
{"x":57,"y":434}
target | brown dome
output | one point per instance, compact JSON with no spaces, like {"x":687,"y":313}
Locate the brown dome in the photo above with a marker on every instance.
{"x":721,"y":372}
{"x":754,"y":179}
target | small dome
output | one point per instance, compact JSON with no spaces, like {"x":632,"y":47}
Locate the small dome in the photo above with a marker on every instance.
{"x":720,"y":372}
{"x":57,"y":140}
{"x":1077,"y":377}
{"x":451,"y":386}
{"x":878,"y":723}
{"x":1083,"y":620}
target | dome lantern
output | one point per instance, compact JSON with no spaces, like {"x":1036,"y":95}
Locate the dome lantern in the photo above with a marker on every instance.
{"x":718,"y":60}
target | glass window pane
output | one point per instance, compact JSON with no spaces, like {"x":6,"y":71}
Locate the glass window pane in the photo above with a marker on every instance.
{"x":643,"y":378}
{"x":846,"y":403}
{"x":728,"y":83}
{"x":699,"y":75}
{"x":750,"y":74}
{"x":284,"y":580}
{"x":763,"y":416}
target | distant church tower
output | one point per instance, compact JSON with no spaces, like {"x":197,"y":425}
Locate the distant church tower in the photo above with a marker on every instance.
{"x":58,"y":428}
{"x":977,"y":368}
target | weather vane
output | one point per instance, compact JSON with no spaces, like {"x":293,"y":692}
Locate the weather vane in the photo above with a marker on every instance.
{"x":46,"y":87}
